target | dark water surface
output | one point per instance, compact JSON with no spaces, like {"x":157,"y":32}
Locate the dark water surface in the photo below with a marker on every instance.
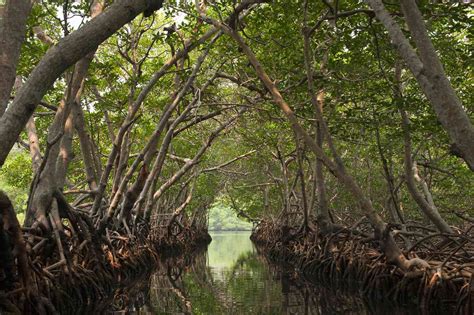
{"x":232,"y":278}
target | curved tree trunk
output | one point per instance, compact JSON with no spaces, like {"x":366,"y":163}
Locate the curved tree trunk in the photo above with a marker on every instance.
{"x":430,"y":75}
{"x":411,"y":173}
{"x":148,"y":151}
{"x":74,"y":102}
{"x":12,"y":34}
{"x":58,"y":58}
{"x":33,"y":141}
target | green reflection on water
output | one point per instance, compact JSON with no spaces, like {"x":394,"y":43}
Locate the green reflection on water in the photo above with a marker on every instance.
{"x":238,"y":281}
{"x":232,"y":278}
{"x":227,"y":247}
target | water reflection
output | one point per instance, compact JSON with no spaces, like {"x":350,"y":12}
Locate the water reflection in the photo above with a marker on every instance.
{"x":241,"y":277}
{"x":232,"y":278}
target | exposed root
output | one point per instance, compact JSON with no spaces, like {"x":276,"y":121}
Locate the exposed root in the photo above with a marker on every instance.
{"x":429,"y":274}
{"x":74,"y":266}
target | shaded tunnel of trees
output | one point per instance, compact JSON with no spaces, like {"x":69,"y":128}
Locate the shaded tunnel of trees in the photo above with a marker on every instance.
{"x":341,"y":129}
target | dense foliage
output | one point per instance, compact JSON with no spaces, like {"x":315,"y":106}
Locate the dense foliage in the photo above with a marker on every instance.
{"x":223,"y":218}
{"x":354,"y":65}
{"x":135,"y":121}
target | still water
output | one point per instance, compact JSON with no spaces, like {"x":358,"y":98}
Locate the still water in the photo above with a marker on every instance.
{"x":232,"y":278}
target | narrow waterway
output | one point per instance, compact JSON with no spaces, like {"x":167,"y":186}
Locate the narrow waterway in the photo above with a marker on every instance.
{"x":232,"y":278}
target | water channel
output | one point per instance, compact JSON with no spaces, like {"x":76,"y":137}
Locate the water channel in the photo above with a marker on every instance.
{"x":231,"y":277}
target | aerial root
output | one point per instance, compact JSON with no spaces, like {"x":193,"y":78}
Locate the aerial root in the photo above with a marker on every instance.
{"x":73,"y":266}
{"x":429,"y":272}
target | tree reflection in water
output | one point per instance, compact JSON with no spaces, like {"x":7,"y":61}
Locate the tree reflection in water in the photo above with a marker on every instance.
{"x":243,"y":284}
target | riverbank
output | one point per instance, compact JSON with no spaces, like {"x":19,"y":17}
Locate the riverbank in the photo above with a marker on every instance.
{"x":357,"y":261}
{"x":241,"y":281}
{"x":89,"y":280}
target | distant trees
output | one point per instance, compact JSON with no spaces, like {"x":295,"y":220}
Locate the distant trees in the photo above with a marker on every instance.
{"x":223,"y":218}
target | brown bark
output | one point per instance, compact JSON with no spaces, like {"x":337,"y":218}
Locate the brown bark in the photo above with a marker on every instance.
{"x":122,"y":158}
{"x":12,"y":35}
{"x":322,"y":130}
{"x":147,"y":192}
{"x":266,"y":201}
{"x":33,"y":140}
{"x":43,"y":189}
{"x":86,"y":150}
{"x":132,"y":195}
{"x":42,"y":36}
{"x":12,"y":245}
{"x":323,"y":208}
{"x":54,"y":175}
{"x":188,"y":46}
{"x":58,"y":58}
{"x":160,"y":159}
{"x":65,"y":152}
{"x":110,"y":128}
{"x":179,"y":210}
{"x":74,"y":102}
{"x":145,"y":156}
